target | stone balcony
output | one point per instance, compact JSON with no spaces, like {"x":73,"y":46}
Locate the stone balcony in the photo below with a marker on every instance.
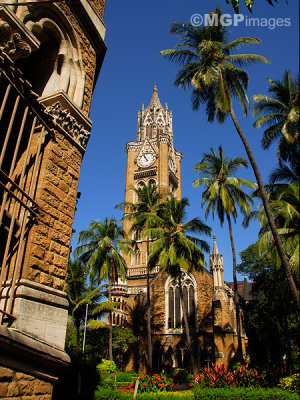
{"x":141,"y":271}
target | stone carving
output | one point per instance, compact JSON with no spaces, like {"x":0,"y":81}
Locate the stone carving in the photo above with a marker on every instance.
{"x":12,"y":43}
{"x":65,"y":120}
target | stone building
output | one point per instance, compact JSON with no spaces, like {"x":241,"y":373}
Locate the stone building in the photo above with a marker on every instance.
{"x":209,"y":300}
{"x":50,"y":56}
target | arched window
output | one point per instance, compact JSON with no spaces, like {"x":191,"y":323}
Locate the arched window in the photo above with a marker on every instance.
{"x":136,"y":258}
{"x":174,"y":306}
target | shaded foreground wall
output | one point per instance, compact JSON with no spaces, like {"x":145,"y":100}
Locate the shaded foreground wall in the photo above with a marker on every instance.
{"x":50,"y":56}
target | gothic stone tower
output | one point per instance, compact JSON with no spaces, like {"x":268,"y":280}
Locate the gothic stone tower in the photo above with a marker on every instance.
{"x":50,"y":57}
{"x":209,"y":301}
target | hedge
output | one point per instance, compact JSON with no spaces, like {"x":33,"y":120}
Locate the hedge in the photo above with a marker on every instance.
{"x":183,"y":395}
{"x":201,"y":394}
{"x":242,"y":394}
{"x":109,"y":394}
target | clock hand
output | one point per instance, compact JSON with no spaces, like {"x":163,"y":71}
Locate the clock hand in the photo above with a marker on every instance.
{"x":145,"y":157}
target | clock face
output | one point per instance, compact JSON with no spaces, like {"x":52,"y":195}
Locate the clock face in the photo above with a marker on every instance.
{"x":146,"y":159}
{"x":171,"y":164}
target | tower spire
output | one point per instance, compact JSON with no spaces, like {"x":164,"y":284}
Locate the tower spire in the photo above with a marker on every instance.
{"x":216,"y":265}
{"x":155,"y":99}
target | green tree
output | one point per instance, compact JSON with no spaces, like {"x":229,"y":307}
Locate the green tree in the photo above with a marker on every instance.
{"x":281,"y":119}
{"x":100,"y":249}
{"x":210,"y":68}
{"x":143,"y":215}
{"x":271,"y":317}
{"x":175,"y":251}
{"x":223,"y":193}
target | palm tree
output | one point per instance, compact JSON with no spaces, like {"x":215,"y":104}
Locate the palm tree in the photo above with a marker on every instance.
{"x":100,"y":249}
{"x":143,"y":215}
{"x":223,"y":193}
{"x":209,"y":66}
{"x":82,"y":294}
{"x":281,"y":119}
{"x":175,"y":251}
{"x":285,"y":204}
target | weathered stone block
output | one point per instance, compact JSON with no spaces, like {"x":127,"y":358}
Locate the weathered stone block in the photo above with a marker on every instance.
{"x":5,"y":374}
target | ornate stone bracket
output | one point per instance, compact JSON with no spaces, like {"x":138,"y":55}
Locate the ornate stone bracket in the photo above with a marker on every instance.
{"x":68,"y":118}
{"x":15,"y":40}
{"x":65,"y":120}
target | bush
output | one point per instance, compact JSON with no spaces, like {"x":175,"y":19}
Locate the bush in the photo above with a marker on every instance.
{"x":109,"y":394}
{"x":221,"y":376}
{"x":242,"y":394}
{"x":153,"y":383}
{"x":290,"y":383}
{"x":106,"y":366}
{"x":126,"y":376}
{"x":179,"y":375}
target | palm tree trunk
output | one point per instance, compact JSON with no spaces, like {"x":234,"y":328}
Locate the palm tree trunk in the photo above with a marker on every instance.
{"x":149,"y":315}
{"x":110,"y":355}
{"x":264,"y":197}
{"x":236,"y":295}
{"x":187,"y":328}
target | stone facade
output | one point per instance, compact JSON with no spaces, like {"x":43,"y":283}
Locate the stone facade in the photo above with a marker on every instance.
{"x":209,"y":300}
{"x":50,"y":57}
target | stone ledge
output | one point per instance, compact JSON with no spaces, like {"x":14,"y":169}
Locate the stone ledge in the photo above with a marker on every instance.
{"x":25,"y":353}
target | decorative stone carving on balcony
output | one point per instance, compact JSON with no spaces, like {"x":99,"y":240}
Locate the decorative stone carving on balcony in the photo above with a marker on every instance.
{"x":15,"y":40}
{"x":64,"y":119}
{"x":67,"y":117}
{"x":152,"y":171}
{"x":173,"y":179}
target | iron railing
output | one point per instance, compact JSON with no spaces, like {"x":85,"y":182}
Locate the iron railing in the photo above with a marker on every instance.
{"x":24,"y":131}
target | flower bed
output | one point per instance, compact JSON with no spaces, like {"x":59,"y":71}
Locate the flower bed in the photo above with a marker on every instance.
{"x":152,"y":383}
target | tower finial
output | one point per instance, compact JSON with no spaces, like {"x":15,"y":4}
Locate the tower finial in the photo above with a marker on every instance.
{"x":155,"y":89}
{"x":215,"y":247}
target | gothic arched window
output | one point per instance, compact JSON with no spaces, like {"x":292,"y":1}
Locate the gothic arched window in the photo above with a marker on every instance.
{"x":174,"y":307}
{"x":136,"y":258}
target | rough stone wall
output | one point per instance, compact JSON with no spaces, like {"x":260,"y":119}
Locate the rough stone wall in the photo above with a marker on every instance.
{"x":19,"y":385}
{"x":48,"y":246}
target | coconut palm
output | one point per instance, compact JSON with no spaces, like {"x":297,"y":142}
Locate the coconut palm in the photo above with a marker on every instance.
{"x":281,"y":119}
{"x":84,"y":294}
{"x":210,"y":67}
{"x":100,"y":249}
{"x":175,"y":251}
{"x":143,"y":215}
{"x":285,"y":204}
{"x":224,"y":194}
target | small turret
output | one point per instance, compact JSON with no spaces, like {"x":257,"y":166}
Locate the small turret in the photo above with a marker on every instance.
{"x":216,"y":265}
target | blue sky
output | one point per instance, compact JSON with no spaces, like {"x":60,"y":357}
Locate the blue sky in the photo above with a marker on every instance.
{"x":136,"y":32}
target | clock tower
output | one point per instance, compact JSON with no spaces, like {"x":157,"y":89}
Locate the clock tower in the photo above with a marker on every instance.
{"x":151,"y":158}
{"x":209,"y":300}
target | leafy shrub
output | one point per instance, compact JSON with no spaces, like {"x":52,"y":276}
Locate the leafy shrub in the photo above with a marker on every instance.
{"x":126,"y":376}
{"x":107,"y":366}
{"x":242,"y":394}
{"x":222,"y":376}
{"x":179,"y":375}
{"x":109,"y":394}
{"x":153,"y":383}
{"x":290,"y":383}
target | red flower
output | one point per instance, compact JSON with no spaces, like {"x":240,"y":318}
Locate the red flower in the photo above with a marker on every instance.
{"x":144,"y":384}
{"x":141,"y":377}
{"x":131,"y":390}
